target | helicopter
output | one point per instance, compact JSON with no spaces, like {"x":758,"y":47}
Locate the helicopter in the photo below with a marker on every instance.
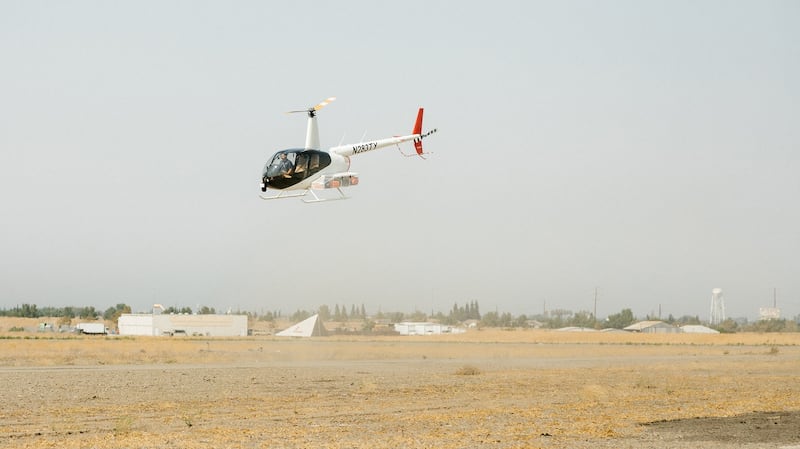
{"x":297,"y":172}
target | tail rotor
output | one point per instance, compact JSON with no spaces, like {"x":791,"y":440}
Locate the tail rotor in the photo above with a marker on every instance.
{"x":418,"y":136}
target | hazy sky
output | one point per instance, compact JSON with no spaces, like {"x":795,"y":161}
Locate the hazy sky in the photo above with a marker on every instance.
{"x":649,"y":149}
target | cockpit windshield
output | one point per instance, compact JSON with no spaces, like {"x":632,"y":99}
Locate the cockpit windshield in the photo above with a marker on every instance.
{"x":282,"y":164}
{"x":288,"y":167}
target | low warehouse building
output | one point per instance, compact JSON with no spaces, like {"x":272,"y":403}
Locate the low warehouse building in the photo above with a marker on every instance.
{"x":425,"y":329}
{"x":207,"y":325}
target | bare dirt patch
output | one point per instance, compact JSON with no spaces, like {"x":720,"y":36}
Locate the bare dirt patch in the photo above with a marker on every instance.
{"x":752,"y":428}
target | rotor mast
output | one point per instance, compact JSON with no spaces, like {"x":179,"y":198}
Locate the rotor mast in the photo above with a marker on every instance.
{"x":312,"y":132}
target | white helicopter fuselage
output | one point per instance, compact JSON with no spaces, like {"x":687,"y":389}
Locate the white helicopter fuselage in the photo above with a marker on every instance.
{"x":339,"y":164}
{"x":309,"y":168}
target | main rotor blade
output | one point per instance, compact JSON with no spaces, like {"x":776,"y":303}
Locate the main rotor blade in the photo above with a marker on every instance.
{"x":314,"y":108}
{"x":324,"y":103}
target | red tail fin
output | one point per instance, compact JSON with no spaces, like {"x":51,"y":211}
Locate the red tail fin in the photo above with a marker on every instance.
{"x":418,"y":130}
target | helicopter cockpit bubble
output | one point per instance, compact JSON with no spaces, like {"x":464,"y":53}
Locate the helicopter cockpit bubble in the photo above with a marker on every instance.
{"x":290,"y":166}
{"x":282,"y":164}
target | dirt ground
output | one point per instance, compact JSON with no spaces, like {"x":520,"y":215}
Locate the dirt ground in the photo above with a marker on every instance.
{"x":483,"y":389}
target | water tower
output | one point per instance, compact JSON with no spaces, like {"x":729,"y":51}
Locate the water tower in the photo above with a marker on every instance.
{"x":717,"y":307}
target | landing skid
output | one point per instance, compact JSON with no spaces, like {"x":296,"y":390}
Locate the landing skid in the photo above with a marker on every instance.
{"x":302,"y":193}
{"x":283,"y":194}
{"x":317,"y":199}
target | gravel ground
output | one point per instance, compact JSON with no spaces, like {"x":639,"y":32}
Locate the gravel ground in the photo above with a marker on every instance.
{"x":363,"y":394}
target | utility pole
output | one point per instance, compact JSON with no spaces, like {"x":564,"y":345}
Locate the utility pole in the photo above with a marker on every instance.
{"x":595,"y":304}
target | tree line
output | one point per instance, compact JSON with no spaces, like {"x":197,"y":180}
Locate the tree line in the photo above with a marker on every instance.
{"x":86,"y":313}
{"x":457,"y":315}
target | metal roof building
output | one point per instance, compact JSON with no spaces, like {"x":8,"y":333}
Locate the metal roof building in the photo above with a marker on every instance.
{"x":653,"y":327}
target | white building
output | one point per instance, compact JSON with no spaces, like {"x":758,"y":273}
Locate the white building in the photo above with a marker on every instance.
{"x":769,"y":313}
{"x":206,"y":325}
{"x":426,"y":329}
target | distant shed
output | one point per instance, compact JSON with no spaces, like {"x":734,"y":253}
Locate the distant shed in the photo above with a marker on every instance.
{"x":698,"y":329}
{"x":653,"y":327}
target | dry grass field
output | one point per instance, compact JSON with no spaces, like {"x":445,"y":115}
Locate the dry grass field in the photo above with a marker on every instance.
{"x":483,"y":389}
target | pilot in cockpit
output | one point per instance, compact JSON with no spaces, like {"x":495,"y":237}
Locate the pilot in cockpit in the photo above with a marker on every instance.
{"x":285,"y":165}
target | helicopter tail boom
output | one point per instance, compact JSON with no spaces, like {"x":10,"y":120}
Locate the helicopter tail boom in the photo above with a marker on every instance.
{"x":416,"y":136}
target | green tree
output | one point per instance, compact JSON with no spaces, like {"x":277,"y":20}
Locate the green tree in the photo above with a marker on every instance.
{"x":88,"y":313}
{"x":269,"y":316}
{"x":418,"y":316}
{"x":367,"y":326}
{"x":620,"y":320}
{"x":582,"y":319}
{"x":109,"y":313}
{"x":445,"y":319}
{"x":768,"y":326}
{"x":728,"y":326}
{"x":29,"y":311}
{"x":324,"y":312}
{"x":455,"y":313}
{"x":474,"y":311}
{"x":490,"y":319}
{"x":300,"y":315}
{"x":687,"y":319}
{"x":113,"y":313}
{"x":395,"y":317}
{"x":558,"y":318}
{"x":175,"y":310}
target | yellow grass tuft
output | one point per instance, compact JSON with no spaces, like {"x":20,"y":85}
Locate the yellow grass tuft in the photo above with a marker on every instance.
{"x":468,"y":370}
